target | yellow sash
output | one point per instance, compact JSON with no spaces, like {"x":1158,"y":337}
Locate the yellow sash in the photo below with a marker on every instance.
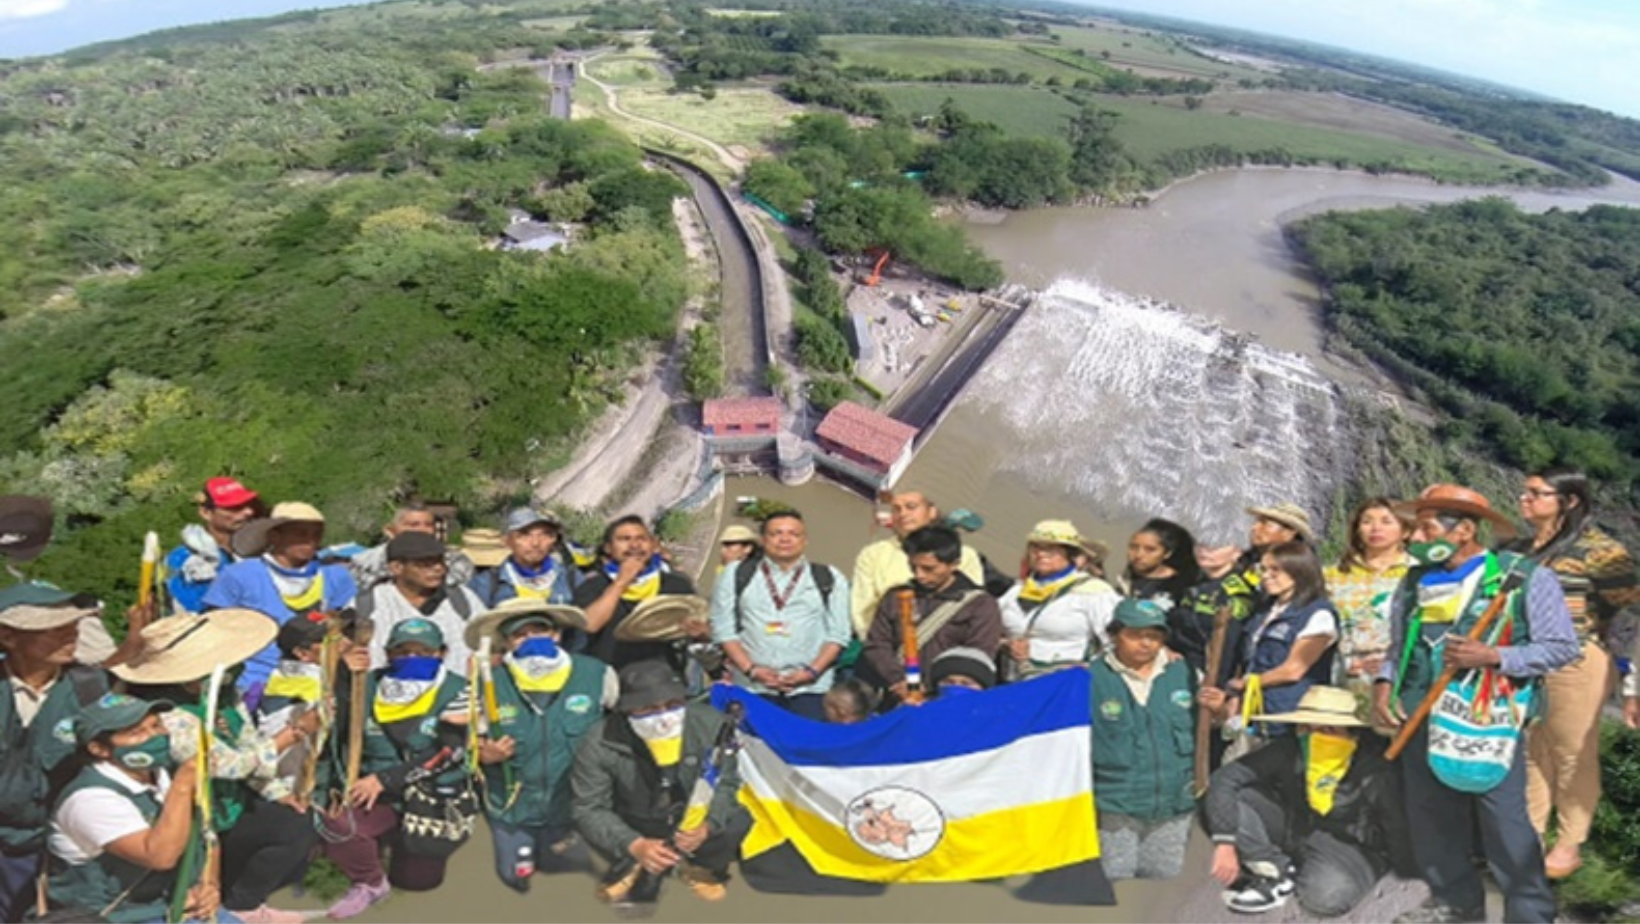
{"x":309,"y":599}
{"x":1327,"y":759}
{"x":1033,"y":591}
{"x":546,"y":683}
{"x":644,"y":587}
{"x":411,"y":700}
{"x":305,"y":686}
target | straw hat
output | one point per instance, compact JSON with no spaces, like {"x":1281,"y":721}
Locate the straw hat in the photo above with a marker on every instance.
{"x":564,"y":617}
{"x":178,"y":649}
{"x":1064,"y":532}
{"x":737,"y":533}
{"x":1320,"y":706}
{"x":1452,"y":498}
{"x":1289,"y":515}
{"x":252,"y":539}
{"x":661,"y":618}
{"x":34,"y":607}
{"x":484,"y":547}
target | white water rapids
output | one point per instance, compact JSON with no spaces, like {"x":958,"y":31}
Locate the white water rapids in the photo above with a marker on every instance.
{"x":1140,"y":409}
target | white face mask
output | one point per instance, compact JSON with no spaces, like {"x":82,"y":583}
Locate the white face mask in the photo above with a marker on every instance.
{"x":658,"y":726}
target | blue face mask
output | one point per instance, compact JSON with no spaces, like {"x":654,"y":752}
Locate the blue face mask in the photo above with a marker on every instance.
{"x":537,"y":646}
{"x":952,"y":689}
{"x":415,"y":667}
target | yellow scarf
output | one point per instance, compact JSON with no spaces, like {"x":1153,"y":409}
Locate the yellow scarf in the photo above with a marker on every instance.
{"x":544,"y":682}
{"x":644,"y":587}
{"x":397,"y":700}
{"x":666,"y":751}
{"x":1036,"y":591}
{"x":309,"y":599}
{"x":296,"y":680}
{"x":1326,"y":760}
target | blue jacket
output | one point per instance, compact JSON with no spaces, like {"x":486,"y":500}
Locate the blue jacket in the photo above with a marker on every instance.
{"x":247,"y":585}
{"x":492,"y":588}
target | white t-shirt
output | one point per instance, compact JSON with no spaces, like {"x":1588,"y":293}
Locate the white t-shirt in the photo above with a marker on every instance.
{"x":91,"y":819}
{"x":1072,"y":627}
{"x":392,"y":609}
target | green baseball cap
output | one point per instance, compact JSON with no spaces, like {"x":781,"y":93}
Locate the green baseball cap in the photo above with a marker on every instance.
{"x":1139,"y":614}
{"x":114,"y":712}
{"x":416,"y":629}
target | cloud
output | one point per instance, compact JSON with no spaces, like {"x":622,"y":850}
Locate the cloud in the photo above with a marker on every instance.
{"x":26,"y":9}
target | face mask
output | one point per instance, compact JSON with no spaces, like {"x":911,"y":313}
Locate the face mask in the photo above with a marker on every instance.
{"x":415,"y":667}
{"x":955,"y":689}
{"x":1431,"y":553}
{"x":537,"y":646}
{"x":153,"y":754}
{"x":663,"y":733}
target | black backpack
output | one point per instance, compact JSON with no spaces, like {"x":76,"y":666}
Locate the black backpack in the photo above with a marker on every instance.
{"x":822,"y":576}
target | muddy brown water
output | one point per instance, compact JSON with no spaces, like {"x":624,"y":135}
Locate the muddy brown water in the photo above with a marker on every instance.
{"x":1212,"y":245}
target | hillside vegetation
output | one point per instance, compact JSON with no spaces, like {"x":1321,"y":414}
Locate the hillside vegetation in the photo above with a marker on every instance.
{"x":270,"y":250}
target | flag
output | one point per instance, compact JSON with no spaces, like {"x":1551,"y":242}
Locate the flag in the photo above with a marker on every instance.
{"x":967,"y":787}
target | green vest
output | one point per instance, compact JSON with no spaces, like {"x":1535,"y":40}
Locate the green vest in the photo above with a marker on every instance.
{"x":547,"y":728}
{"x":25,"y":785}
{"x":1144,"y":756}
{"x":94,"y":885}
{"x":227,"y":796}
{"x":1419,"y":665}
{"x":412,"y":739}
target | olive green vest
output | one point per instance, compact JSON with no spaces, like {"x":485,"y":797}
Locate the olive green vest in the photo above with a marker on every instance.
{"x":1144,"y":756}
{"x":95,"y":885}
{"x":1419,"y":665}
{"x":47,"y":742}
{"x":533,"y":787}
{"x":408,"y":739}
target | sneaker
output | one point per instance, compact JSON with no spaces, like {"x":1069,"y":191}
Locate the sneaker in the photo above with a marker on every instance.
{"x":357,"y":899}
{"x":1255,"y":894}
{"x":707,"y":885}
{"x":265,"y":915}
{"x":1439,"y":912}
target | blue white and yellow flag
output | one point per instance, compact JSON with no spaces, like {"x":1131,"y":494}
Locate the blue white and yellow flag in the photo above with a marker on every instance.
{"x":966,"y":787}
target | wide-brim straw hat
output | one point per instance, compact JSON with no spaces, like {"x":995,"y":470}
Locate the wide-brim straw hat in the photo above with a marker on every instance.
{"x":737,"y":533}
{"x":484,"y":547}
{"x":252,"y":539}
{"x":661,"y":618}
{"x":564,"y":617}
{"x":36,"y":607}
{"x":1321,"y":706}
{"x":179,"y":649}
{"x":1289,"y":515}
{"x":1065,"y":533}
{"x":1466,"y":502}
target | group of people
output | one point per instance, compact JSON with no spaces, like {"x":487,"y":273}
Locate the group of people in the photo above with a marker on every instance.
{"x":374,"y":707}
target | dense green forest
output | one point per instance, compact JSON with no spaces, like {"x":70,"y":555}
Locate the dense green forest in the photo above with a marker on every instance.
{"x":1524,"y":328}
{"x":270,"y":250}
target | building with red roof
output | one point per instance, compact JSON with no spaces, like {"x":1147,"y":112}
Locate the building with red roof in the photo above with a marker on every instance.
{"x":865,"y":445}
{"x":741,"y":431}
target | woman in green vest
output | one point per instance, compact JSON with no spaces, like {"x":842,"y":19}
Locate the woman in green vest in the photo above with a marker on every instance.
{"x":265,"y":831}
{"x":410,"y":705}
{"x":533,"y":707}
{"x":1144,"y":746}
{"x":122,"y":825}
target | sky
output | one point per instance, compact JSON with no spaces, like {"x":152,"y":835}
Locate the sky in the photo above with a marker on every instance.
{"x":1583,"y":51}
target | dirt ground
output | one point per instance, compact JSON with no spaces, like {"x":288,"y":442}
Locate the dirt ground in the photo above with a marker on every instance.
{"x":899,"y":344}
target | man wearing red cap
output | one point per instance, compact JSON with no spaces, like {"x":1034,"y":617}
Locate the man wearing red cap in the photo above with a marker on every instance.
{"x":224,"y":505}
{"x":1431,"y":616}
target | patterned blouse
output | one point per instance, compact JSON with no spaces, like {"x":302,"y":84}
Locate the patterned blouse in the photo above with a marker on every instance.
{"x":1362,"y":598}
{"x":1598,"y":577}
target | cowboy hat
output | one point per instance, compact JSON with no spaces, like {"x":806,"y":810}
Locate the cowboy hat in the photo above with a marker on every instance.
{"x":737,"y":533}
{"x":484,"y":547}
{"x":35,"y":607}
{"x":1289,"y":515}
{"x":1466,"y":502}
{"x":661,"y":618}
{"x":564,"y":617}
{"x":1065,"y":533}
{"x":1321,"y":706}
{"x":252,"y":539}
{"x":25,"y":526}
{"x":178,"y":649}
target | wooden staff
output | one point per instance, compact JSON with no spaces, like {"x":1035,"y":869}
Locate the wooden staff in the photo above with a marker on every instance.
{"x":330,"y":655}
{"x":1204,"y":717}
{"x":908,"y":644}
{"x":362,"y":631}
{"x":1510,"y":583}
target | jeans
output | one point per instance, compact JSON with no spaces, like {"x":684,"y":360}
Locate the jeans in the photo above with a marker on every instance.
{"x":1132,"y":847}
{"x":541,"y":839}
{"x":1444,"y":820}
{"x":266,"y":850}
{"x":1333,"y":874}
{"x":17,"y":877}
{"x":807,"y":705}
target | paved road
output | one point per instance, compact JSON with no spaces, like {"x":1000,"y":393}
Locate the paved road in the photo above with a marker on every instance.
{"x":562,"y":81}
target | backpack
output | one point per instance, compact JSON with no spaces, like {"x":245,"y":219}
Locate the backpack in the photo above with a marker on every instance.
{"x":824,"y":581}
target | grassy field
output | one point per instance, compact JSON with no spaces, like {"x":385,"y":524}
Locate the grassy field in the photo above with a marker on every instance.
{"x":1334,"y":110}
{"x":745,"y":117}
{"x":555,"y":23}
{"x":917,"y":56}
{"x":1151,"y":130}
{"x":629,"y":70}
{"x":1149,"y":54}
